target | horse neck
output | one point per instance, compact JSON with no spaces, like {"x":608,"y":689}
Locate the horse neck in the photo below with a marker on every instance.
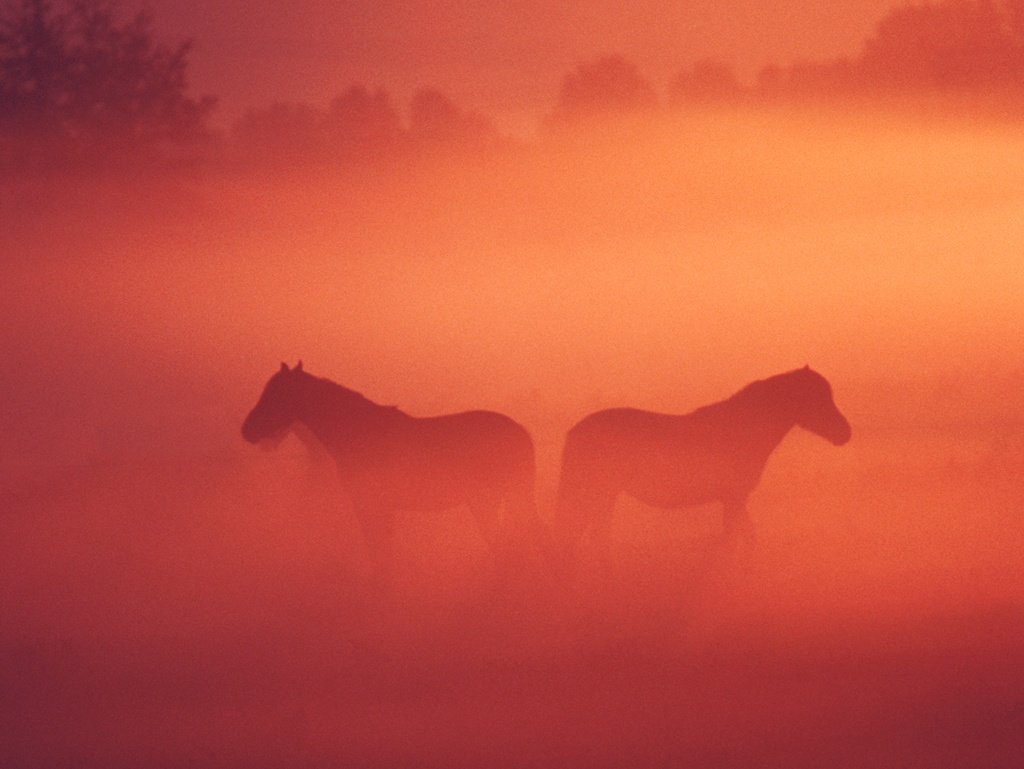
{"x":332,"y":412}
{"x":766,"y":410}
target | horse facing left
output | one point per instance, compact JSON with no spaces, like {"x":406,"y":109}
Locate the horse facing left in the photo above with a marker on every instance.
{"x":388,"y":460}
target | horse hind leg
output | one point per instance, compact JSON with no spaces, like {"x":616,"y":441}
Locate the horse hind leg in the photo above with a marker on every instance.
{"x":572,"y":516}
{"x":738,"y":528}
{"x":738,"y":538}
{"x":579,"y":515}
{"x":601,"y":536}
{"x":510,"y":567}
{"x":508,"y":523}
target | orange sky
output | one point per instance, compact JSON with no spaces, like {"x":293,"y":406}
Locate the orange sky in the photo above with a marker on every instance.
{"x":503,"y":59}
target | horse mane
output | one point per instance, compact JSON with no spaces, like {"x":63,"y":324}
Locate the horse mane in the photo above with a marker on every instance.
{"x":336,"y":395}
{"x":761,"y":388}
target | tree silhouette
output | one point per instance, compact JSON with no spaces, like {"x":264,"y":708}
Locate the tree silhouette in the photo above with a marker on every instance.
{"x":77,"y":77}
{"x":831,"y":78}
{"x":946,"y":45}
{"x":435,"y":119}
{"x":358,"y":125}
{"x":706,"y":81}
{"x":360,"y":120}
{"x":949,"y":46}
{"x":1014,"y":11}
{"x":284,"y":132}
{"x":607,"y":86}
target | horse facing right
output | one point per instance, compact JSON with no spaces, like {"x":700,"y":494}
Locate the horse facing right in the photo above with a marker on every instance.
{"x":716,"y":453}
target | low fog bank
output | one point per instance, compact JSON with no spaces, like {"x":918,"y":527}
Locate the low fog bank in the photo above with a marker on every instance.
{"x":174,"y":596}
{"x":194,"y":615}
{"x":662,"y":264}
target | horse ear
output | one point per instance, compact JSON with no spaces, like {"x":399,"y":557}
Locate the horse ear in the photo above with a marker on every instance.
{"x":298,"y":366}
{"x":284,"y":367}
{"x":807,"y":367}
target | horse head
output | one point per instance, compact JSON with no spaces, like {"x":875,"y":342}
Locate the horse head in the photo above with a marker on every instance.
{"x":277,"y":408}
{"x":815,"y":409}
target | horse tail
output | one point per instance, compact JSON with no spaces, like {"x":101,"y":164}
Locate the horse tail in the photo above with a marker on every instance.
{"x":521,"y":492}
{"x":571,"y":508}
{"x":525,"y":550}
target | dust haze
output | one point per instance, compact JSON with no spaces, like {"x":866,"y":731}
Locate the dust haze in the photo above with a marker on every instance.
{"x":174,"y":596}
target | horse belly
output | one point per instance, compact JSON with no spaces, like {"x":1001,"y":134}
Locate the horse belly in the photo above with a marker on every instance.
{"x":420,"y":486}
{"x":681,"y":480}
{"x":426,"y":481}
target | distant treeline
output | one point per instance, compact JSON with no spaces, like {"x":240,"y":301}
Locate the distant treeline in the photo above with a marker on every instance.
{"x":947,"y":46}
{"x":81,"y":84}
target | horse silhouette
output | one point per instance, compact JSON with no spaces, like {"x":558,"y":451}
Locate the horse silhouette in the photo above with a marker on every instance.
{"x":388,"y":460}
{"x":716,"y":453}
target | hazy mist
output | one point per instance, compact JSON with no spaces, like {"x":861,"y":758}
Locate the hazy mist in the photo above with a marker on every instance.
{"x":175,"y":597}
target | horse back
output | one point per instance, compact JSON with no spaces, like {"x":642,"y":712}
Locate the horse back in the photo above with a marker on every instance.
{"x":477,"y":433}
{"x":441,"y":461}
{"x":629,"y":430}
{"x":664,"y":459}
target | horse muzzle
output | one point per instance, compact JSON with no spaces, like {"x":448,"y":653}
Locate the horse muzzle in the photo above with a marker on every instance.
{"x":249,"y":433}
{"x":842,"y":433}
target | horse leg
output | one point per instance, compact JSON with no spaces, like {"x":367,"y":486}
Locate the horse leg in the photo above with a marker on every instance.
{"x":573,"y":516}
{"x":570,"y":525}
{"x":601,"y":535}
{"x":738,"y":525}
{"x":582,"y":512}
{"x":487,"y":514}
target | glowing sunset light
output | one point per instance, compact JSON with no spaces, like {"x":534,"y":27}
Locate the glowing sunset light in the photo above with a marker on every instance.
{"x":473,"y":385}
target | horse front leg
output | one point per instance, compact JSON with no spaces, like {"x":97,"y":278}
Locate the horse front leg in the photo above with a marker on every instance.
{"x":736,"y":519}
